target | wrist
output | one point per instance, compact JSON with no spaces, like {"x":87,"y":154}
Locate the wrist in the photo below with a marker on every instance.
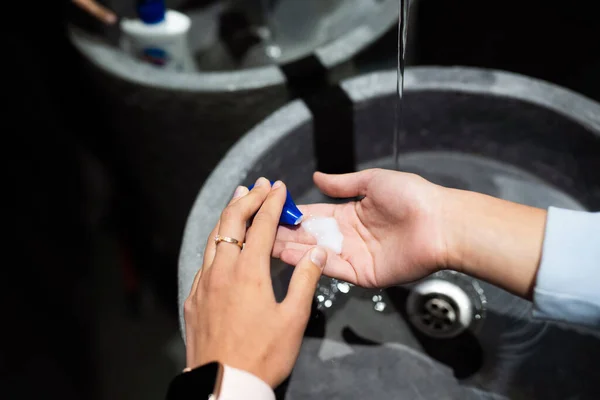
{"x":454,"y":228}
{"x":492,"y":239}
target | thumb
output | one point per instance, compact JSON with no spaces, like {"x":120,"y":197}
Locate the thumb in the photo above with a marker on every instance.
{"x":346,"y":185}
{"x":305,"y":278}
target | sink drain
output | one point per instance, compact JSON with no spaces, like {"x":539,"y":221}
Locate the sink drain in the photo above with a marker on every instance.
{"x":439,"y":308}
{"x":439,"y":315}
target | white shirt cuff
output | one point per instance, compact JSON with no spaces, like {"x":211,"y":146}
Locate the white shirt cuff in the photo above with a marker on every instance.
{"x":237,"y":384}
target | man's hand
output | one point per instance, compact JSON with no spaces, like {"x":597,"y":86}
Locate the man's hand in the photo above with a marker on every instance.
{"x":405,"y":228}
{"x":393,"y":235}
{"x":231,"y":314}
{"x":96,"y":10}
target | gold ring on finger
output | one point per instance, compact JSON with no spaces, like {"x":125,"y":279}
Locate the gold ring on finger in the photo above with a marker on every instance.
{"x":226,"y":239}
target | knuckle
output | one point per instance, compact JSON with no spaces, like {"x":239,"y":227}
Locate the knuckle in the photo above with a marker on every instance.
{"x":189,"y":306}
{"x":417,"y":178}
{"x":230,"y":212}
{"x":377,"y":173}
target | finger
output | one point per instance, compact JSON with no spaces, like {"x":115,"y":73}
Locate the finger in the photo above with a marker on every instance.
{"x":211,"y":246}
{"x":296,"y":233}
{"x":336,"y":267}
{"x":280,"y":246}
{"x":261,"y":235}
{"x":304,"y":280}
{"x":346,"y":185}
{"x":235,"y":217}
{"x":209,"y":255}
{"x":292,"y":253}
{"x":100,"y":12}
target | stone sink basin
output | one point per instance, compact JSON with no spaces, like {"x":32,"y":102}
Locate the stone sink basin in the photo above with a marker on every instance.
{"x":493,"y":132}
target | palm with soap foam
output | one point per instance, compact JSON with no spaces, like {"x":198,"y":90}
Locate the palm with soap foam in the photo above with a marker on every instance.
{"x":391,"y":236}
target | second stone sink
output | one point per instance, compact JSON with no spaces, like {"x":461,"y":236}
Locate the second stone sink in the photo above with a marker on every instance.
{"x":497,"y":133}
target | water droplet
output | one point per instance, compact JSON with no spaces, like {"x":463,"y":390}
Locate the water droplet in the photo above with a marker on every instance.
{"x":343,"y":287}
{"x":379,"y":306}
{"x":320,"y":298}
{"x":328,"y":303}
{"x":273,"y":51}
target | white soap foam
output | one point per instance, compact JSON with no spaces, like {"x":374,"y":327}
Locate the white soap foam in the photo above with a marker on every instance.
{"x":326,"y":231}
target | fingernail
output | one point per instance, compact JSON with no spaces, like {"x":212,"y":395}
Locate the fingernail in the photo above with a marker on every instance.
{"x":239,"y":192}
{"x":261,"y":181}
{"x":318,"y":256}
{"x":277,"y":184}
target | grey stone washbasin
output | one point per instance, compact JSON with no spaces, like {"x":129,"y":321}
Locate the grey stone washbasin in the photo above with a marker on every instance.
{"x":494,"y":132}
{"x":169,"y":130}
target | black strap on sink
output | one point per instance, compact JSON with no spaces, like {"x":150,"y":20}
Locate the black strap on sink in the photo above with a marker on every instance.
{"x":332,"y":111}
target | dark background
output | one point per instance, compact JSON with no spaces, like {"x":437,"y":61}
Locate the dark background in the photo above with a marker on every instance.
{"x":78,"y":289}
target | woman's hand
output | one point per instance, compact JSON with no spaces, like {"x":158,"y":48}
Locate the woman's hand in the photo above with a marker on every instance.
{"x":231,"y":314}
{"x":96,"y":10}
{"x":393,"y":235}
